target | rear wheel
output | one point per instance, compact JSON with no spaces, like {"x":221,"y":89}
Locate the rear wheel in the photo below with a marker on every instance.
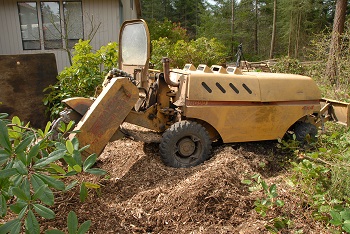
{"x":305,"y":132}
{"x":185,"y":144}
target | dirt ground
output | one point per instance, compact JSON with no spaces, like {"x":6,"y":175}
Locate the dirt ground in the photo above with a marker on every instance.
{"x":141,"y":195}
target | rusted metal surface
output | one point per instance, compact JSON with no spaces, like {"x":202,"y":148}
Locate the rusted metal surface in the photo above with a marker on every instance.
{"x":22,"y":81}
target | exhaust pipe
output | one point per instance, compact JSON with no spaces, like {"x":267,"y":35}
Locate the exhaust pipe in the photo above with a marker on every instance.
{"x":166,"y":71}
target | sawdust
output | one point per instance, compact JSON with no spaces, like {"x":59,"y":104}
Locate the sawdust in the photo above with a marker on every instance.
{"x":141,"y":195}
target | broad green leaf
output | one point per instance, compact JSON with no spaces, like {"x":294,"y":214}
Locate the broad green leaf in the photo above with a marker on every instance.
{"x":346,"y":226}
{"x":84,"y":148}
{"x":273,"y":189}
{"x":47,"y":128}
{"x":7,"y":173}
{"x":83,"y":192}
{"x":20,"y":194}
{"x":25,"y":187}
{"x":16,"y":120}
{"x":77,"y":168}
{"x":71,"y":185}
{"x":54,"y":156}
{"x":22,"y":156}
{"x":89,"y":162}
{"x":72,"y":223}
{"x":77,"y":157}
{"x":3,"y":206}
{"x":31,"y":223}
{"x":36,"y":182}
{"x":336,"y":218}
{"x":96,"y":171}
{"x":84,"y":228}
{"x":70,"y":125}
{"x":18,"y":206}
{"x":51,"y":182}
{"x":4,"y":156}
{"x":34,"y":151}
{"x":69,"y":146}
{"x":16,"y":228}
{"x":75,"y":143}
{"x":265,"y":186}
{"x":21,"y":168}
{"x":57,"y":168}
{"x":345,"y":214}
{"x":54,"y":231}
{"x":7,"y":227}
{"x":4,"y":136}
{"x":44,"y":211}
{"x":69,"y":160}
{"x":92,"y":185}
{"x":45,"y":195}
{"x":71,"y":173}
{"x":24,"y":144}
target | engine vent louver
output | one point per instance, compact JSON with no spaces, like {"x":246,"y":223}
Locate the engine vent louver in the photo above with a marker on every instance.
{"x":223,"y":90}
{"x":206,"y":87}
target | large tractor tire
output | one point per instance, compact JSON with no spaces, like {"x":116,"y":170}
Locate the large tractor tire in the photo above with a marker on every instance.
{"x":185,"y":144}
{"x":304,"y":131}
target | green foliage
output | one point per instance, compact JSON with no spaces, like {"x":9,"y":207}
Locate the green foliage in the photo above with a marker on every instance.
{"x":200,"y":51}
{"x":173,"y":31}
{"x":32,"y":173}
{"x":73,"y":226}
{"x":81,"y":79}
{"x":321,"y":177}
{"x":288,"y":65}
{"x":269,"y":201}
{"x":319,"y":52}
{"x":341,"y":218}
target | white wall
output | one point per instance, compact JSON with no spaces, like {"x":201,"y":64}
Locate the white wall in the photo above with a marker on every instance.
{"x":104,"y":11}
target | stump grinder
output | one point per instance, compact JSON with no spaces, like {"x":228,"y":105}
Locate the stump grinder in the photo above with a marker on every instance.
{"x":195,"y":106}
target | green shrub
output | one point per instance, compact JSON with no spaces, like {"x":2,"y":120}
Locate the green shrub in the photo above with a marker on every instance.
{"x":31,"y":173}
{"x":81,"y":79}
{"x":288,"y":65}
{"x":199,"y":51}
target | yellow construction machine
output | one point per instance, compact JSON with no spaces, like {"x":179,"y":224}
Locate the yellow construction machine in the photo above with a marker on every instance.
{"x":195,"y":106}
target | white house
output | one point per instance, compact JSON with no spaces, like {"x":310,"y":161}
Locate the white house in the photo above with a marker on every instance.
{"x":29,"y":27}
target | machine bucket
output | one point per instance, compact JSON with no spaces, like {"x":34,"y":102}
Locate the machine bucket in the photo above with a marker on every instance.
{"x":103,"y":118}
{"x":336,"y":111}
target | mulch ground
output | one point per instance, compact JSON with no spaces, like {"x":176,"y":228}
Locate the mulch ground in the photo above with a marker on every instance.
{"x":140,"y":194}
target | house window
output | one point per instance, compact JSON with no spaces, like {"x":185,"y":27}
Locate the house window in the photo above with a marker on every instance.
{"x":51,"y":23}
{"x":121,"y":12}
{"x":132,"y":4}
{"x":29,"y":25}
{"x":73,"y":18}
{"x":61,"y":24}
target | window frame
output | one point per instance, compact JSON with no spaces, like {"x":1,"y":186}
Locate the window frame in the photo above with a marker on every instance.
{"x":20,"y":25}
{"x":62,"y":19}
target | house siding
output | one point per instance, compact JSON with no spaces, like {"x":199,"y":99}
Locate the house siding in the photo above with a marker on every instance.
{"x":105,"y":12}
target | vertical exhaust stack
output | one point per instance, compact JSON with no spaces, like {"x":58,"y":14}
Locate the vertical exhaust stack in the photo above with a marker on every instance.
{"x":166,"y":71}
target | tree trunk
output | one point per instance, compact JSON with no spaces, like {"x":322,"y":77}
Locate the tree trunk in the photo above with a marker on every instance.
{"x":338,"y":28}
{"x":273,"y":38}
{"x":256,"y":28}
{"x":232,"y":27}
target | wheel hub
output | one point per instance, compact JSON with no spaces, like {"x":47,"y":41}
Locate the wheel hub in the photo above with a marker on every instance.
{"x":186,"y":147}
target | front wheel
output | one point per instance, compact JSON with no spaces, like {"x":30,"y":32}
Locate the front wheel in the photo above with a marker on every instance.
{"x":185,"y":144}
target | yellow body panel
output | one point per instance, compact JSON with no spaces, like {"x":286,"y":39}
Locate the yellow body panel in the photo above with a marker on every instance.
{"x":241,"y":122}
{"x":250,"y":106}
{"x":107,"y":112}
